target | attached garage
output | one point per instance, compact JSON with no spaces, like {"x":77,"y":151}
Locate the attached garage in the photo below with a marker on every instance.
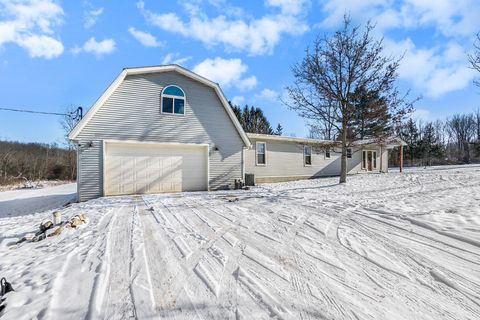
{"x":158,"y":129}
{"x":138,"y":168}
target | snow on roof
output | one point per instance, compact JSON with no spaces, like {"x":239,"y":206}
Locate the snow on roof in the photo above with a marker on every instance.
{"x":389,"y":141}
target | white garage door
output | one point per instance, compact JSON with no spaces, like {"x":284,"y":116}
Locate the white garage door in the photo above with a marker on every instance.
{"x":135,"y":168}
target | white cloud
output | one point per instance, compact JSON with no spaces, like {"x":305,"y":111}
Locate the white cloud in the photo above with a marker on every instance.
{"x":76,"y":50}
{"x":267,"y":94}
{"x":30,"y":24}
{"x":174,"y":58}
{"x":336,"y":10}
{"x":247,"y":83}
{"x":450,"y":18}
{"x":98,"y":48}
{"x":41,"y":46}
{"x":289,"y":6}
{"x":227,"y":72}
{"x":254,"y":35}
{"x":91,"y":17}
{"x":238,"y":100}
{"x":145,"y":38}
{"x":421,"y":114}
{"x":434,"y":71}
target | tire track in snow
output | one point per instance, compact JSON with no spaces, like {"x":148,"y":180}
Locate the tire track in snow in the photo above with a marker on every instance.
{"x":82,"y":273}
{"x":118,"y":301}
{"x":174,"y":289}
{"x":428,"y":235}
{"x":161,"y":263}
{"x":238,"y":250}
{"x":422,"y":270}
{"x":141,"y":282}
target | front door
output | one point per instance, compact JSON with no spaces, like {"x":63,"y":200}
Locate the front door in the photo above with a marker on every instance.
{"x":369,"y":162}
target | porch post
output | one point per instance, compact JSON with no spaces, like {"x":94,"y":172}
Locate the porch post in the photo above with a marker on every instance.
{"x":381,"y":159}
{"x":401,"y":158}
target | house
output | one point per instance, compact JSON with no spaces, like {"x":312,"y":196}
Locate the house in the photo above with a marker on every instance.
{"x":278,"y":158}
{"x":166,"y":129}
{"x":158,"y":129}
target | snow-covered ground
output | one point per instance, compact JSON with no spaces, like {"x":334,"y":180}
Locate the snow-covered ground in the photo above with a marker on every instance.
{"x":385,"y":246}
{"x":27,"y":201}
{"x":37,"y":184}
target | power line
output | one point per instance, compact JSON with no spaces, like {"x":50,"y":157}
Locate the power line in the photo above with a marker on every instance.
{"x":40,"y":112}
{"x":77,"y":114}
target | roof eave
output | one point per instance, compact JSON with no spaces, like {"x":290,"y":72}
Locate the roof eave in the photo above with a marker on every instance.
{"x":154,"y":69}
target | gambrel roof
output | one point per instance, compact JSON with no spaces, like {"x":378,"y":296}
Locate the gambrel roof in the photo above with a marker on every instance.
{"x":158,"y":69}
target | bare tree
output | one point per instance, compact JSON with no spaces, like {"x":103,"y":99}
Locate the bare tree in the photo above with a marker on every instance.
{"x":320,"y":129}
{"x":462,"y":129}
{"x":5,"y":157}
{"x":477,"y":122}
{"x":331,"y":73}
{"x":474,"y":57}
{"x":68,"y":122}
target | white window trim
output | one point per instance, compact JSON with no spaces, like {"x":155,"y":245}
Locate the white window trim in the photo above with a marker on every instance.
{"x":351,"y":153}
{"x":162,"y":95}
{"x":329,"y":153}
{"x":374,"y":159}
{"x":256,"y":153}
{"x":305,"y":156}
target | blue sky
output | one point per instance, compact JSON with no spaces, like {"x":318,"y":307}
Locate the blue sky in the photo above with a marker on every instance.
{"x":59,"y":53}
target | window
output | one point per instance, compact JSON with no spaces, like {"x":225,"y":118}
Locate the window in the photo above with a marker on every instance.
{"x":364,"y":160}
{"x":261,"y":152}
{"x":307,"y":155}
{"x":173,"y":100}
{"x":327,"y":153}
{"x":349,"y":152}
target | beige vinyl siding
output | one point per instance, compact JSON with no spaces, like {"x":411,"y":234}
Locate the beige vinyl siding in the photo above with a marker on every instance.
{"x":133,"y":113}
{"x":286,"y":159}
{"x":385,"y":160}
{"x":354,"y":164}
{"x":90,"y":170}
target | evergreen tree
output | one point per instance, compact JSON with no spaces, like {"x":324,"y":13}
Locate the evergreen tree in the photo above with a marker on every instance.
{"x":371,"y":116}
{"x":252,"y":119}
{"x":429,"y":145}
{"x":236,"y":110}
{"x":279,"y":130}
{"x":410,"y":135}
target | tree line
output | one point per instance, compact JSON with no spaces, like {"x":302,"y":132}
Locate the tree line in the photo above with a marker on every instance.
{"x":39,"y":161}
{"x":253,"y":120}
{"x":455,"y":140}
{"x":35,"y":161}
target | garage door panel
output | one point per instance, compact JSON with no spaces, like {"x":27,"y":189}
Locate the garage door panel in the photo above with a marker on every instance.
{"x":137,"y":168}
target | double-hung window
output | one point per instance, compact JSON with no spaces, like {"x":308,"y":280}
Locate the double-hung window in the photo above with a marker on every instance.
{"x":261,"y":153}
{"x":307,"y":155}
{"x":327,"y":153}
{"x":173,"y":100}
{"x":349,"y":152}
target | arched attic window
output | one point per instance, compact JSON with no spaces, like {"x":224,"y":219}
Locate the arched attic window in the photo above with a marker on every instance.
{"x":173,"y":100}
